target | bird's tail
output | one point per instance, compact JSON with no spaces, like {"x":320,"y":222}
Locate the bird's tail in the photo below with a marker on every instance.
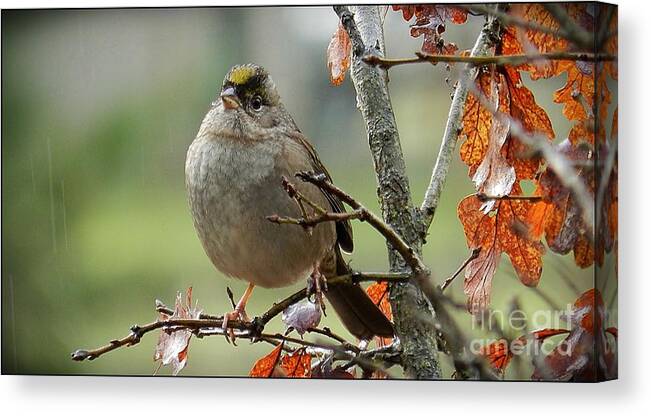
{"x":355,"y":309}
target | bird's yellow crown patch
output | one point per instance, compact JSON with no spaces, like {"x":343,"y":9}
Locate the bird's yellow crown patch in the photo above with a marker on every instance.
{"x":241,"y":75}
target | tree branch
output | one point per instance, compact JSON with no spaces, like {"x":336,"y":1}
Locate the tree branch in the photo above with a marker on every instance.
{"x":483,"y":47}
{"x":395,"y":240}
{"x":499,"y":60}
{"x":214,"y":323}
{"x":418,"y":340}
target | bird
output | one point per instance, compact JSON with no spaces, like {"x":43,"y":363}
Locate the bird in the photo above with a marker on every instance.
{"x":246,"y":144}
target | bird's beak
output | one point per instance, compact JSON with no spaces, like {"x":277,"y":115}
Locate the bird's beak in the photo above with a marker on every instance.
{"x":229,"y":99}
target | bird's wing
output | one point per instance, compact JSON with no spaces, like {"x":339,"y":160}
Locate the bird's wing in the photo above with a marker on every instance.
{"x":344,"y":229}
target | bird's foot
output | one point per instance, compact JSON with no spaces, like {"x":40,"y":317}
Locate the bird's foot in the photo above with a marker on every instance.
{"x":237,"y":314}
{"x":316,"y":286}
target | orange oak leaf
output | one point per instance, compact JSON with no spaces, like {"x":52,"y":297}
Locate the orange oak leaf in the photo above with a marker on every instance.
{"x":297,"y":364}
{"x":495,"y":233}
{"x":379,"y":294}
{"x":338,"y":55}
{"x":559,"y":216}
{"x":172,"y":347}
{"x":498,"y":354}
{"x":266,"y":366}
{"x":533,"y":119}
{"x":516,"y":41}
{"x":578,"y":94}
{"x":476,"y":124}
{"x":488,"y":141}
{"x":585,"y":354}
{"x":430,"y":23}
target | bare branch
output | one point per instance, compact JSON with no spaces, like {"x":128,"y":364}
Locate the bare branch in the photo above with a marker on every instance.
{"x":364,"y":28}
{"x":531,"y":198}
{"x":211,"y":324}
{"x":499,"y":60}
{"x":408,"y":253}
{"x":483,"y":47}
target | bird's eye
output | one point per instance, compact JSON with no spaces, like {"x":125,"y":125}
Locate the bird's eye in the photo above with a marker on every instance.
{"x":256,"y":103}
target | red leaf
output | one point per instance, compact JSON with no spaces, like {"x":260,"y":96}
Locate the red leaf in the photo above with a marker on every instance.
{"x":494,"y":175}
{"x":500,"y":352}
{"x":379,"y":294}
{"x":297,"y":364}
{"x":559,"y":215}
{"x":578,"y":94}
{"x":266,"y":365}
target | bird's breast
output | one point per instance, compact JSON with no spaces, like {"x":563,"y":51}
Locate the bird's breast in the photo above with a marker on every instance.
{"x":232,"y":188}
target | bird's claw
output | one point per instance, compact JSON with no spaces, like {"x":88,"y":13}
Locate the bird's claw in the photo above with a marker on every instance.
{"x":316,"y":286}
{"x":235,"y":315}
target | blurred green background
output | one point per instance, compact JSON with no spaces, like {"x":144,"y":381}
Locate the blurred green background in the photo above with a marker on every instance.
{"x":98,"y":109}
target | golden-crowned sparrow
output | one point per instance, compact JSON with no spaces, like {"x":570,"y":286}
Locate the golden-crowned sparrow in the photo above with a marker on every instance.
{"x":246,"y":143}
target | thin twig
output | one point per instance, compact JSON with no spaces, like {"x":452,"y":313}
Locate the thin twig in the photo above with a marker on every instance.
{"x":473,"y":255}
{"x":355,"y":277}
{"x":138,"y":331}
{"x":531,"y":198}
{"x":312,"y":220}
{"x":498,"y":60}
{"x":327,"y":332}
{"x":407,"y":253}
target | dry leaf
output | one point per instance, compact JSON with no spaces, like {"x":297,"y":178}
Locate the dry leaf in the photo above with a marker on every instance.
{"x":338,"y":55}
{"x":172,"y":347}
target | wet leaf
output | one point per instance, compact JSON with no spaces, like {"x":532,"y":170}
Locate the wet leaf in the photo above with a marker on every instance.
{"x":338,"y":55}
{"x":560,"y":217}
{"x":499,"y":353}
{"x":172,"y":347}
{"x":495,"y":233}
{"x":297,"y":364}
{"x":266,"y":365}
{"x":379,"y":294}
{"x":302,"y":316}
{"x":476,"y":125}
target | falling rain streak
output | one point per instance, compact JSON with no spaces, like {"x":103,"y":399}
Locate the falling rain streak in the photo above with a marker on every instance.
{"x":63,"y":208}
{"x":52,"y":216}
